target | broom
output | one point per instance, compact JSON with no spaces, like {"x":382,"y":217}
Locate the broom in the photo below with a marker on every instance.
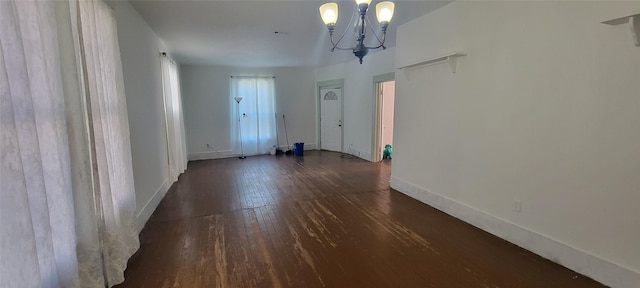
{"x":286,"y":135}
{"x":278,"y":150}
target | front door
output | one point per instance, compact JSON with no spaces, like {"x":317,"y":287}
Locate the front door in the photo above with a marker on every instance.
{"x":331,"y":119}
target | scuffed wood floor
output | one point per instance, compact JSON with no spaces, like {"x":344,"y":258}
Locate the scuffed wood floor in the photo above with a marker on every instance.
{"x":319,"y":221}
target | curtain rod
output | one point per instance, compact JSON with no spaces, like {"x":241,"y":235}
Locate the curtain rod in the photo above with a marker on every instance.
{"x":249,"y":77}
{"x":164,"y":54}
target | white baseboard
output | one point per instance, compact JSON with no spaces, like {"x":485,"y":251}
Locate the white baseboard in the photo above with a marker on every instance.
{"x":210,"y":155}
{"x":580,"y":261}
{"x":228,"y":153}
{"x":307,"y":146}
{"x":365,"y":155}
{"x":151,"y":205}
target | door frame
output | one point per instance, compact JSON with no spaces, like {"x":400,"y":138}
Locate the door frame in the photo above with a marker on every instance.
{"x":329,"y":84}
{"x":376,"y":127}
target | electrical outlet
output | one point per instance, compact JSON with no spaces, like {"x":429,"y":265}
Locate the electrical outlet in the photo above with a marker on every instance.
{"x":517,"y":205}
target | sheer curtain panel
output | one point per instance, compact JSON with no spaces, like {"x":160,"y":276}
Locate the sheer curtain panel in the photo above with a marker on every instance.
{"x":256,"y":114}
{"x":68,"y":202}
{"x":37,"y":238}
{"x":174,"y":118}
{"x":109,"y":135}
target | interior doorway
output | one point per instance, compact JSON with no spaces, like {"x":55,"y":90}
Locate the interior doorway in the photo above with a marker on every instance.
{"x":383,"y":117}
{"x":330,"y":100}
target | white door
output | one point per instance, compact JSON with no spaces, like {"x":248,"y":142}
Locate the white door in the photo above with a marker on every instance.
{"x":331,"y":119}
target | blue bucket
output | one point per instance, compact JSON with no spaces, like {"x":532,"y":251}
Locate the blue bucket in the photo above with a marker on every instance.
{"x":298,"y":149}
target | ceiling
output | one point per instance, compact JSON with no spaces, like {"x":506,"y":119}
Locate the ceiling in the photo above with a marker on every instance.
{"x":242,"y":33}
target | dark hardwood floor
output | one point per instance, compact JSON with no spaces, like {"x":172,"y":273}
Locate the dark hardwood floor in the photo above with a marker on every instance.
{"x":319,"y":221}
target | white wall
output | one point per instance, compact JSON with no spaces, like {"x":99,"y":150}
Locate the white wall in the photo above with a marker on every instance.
{"x":206,"y":96}
{"x":545,"y":109}
{"x":359,"y":97}
{"x":140,"y":52}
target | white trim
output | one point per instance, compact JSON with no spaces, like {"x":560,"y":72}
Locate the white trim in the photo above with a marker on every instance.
{"x":211,"y":155}
{"x":573,"y":258}
{"x":229,"y":154}
{"x":376,"y":131}
{"x":307,"y":146}
{"x":451,"y":58}
{"x":365,"y":155}
{"x":151,"y":205}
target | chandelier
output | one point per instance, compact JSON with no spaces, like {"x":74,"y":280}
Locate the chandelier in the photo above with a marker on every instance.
{"x":384,"y":13}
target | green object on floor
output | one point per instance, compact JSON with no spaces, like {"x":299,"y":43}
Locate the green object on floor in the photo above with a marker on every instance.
{"x":387,"y":152}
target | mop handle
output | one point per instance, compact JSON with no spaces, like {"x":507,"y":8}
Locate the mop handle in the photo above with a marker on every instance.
{"x":285,"y":132}
{"x":277,"y":136}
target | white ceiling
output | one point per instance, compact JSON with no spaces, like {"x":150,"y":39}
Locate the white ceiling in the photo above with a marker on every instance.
{"x":242,"y":33}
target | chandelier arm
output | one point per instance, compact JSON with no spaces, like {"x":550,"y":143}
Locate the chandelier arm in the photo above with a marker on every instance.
{"x":360,"y":27}
{"x":384,"y":32}
{"x":335,"y":44}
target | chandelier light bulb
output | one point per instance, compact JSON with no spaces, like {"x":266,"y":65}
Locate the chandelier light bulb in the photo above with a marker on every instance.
{"x":384,"y":11}
{"x":384,"y":15}
{"x":329,"y":13}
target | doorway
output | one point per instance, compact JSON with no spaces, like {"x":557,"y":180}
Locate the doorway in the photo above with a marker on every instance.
{"x":330,"y":100}
{"x":383,"y":117}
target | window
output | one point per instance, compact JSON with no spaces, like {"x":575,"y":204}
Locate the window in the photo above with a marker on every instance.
{"x":253,"y":119}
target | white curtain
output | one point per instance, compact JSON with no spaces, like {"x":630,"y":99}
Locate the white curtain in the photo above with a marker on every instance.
{"x":174,"y":118}
{"x":68,"y":199}
{"x":256,"y":117}
{"x":109,"y":128}
{"x":37,"y":239}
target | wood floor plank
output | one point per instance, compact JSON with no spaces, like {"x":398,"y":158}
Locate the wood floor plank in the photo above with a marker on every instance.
{"x":320,"y":220}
